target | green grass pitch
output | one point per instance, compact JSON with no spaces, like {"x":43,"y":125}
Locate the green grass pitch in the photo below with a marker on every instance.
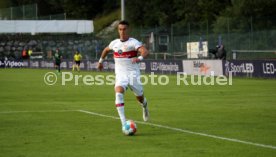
{"x":38,"y":120}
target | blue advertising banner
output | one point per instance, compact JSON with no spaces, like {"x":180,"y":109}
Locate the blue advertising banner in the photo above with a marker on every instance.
{"x":250,"y":68}
{"x":148,"y":66}
{"x":164,"y":66}
{"x":11,"y":64}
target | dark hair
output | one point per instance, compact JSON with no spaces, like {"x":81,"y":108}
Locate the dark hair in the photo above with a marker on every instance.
{"x":123,"y":22}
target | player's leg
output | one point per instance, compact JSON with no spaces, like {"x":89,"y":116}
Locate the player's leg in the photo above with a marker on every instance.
{"x":120,"y":103}
{"x":73,"y":67}
{"x":120,"y":88}
{"x":59,"y":67}
{"x":143,"y":102}
{"x":56,"y":67}
{"x":78,"y":66}
{"x":137,"y":89}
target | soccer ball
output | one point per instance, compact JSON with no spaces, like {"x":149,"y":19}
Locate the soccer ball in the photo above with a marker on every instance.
{"x":129,"y":128}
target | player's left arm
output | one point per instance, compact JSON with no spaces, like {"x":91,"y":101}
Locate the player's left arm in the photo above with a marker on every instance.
{"x":143,"y":54}
{"x":143,"y":51}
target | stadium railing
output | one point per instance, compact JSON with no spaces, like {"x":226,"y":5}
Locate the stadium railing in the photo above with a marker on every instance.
{"x":253,"y":54}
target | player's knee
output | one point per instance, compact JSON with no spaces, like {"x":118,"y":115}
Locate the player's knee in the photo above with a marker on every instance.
{"x":119,"y":89}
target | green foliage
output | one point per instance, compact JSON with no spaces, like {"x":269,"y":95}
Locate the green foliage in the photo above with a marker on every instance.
{"x":178,"y":12}
{"x":105,"y":20}
{"x":245,"y":15}
{"x":165,"y":13}
{"x":4,"y":4}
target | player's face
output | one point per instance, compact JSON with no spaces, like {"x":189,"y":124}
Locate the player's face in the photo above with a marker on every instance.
{"x":123,"y":32}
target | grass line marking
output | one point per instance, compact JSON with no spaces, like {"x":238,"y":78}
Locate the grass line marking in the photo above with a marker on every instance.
{"x":12,"y":112}
{"x":151,"y":124}
{"x":186,"y":131}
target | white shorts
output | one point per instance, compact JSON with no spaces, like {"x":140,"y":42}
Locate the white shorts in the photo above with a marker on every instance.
{"x":131,"y":80}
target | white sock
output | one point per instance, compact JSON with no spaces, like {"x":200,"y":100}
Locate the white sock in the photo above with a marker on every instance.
{"x":120,"y":107}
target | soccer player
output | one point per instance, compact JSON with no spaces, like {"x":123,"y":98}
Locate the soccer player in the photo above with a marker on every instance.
{"x":77,"y":60}
{"x":57,"y":60}
{"x":127,"y":72}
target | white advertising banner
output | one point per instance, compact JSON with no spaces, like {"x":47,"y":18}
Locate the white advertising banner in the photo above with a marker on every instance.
{"x":203,"y":67}
{"x":46,"y":26}
{"x":197,"y":49}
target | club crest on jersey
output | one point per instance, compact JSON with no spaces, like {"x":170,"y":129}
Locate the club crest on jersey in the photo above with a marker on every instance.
{"x":120,"y":52}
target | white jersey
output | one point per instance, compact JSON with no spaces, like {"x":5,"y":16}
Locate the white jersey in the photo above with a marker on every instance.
{"x":127,"y":73}
{"x":123,"y":53}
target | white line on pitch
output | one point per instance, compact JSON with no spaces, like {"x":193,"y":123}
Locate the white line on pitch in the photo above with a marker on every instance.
{"x":151,"y":124}
{"x":10,"y":112}
{"x":186,"y":131}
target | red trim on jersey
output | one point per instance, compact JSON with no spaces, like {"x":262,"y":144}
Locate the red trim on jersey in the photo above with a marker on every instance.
{"x":129,"y":54}
{"x":120,"y":105}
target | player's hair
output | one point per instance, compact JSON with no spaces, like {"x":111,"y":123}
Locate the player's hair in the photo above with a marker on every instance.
{"x":123,"y":22}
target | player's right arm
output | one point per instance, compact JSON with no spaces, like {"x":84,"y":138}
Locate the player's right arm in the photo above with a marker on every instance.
{"x":103,"y":55}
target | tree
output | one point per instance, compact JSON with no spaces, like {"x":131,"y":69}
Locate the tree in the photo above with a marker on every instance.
{"x":244,"y":15}
{"x":178,"y":12}
{"x":4,"y":4}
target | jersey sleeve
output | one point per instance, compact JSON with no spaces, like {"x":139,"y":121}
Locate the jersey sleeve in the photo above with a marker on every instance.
{"x":137,"y":44}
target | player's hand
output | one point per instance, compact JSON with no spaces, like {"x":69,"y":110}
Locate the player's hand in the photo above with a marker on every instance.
{"x":100,"y":66}
{"x":135,"y":60}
